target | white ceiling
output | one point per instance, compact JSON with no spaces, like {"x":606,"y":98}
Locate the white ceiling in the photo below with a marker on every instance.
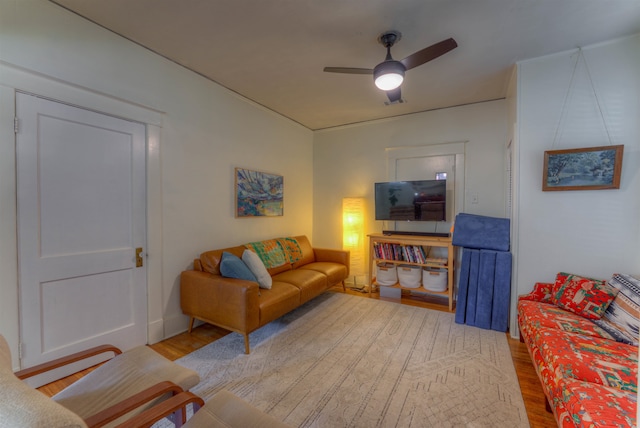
{"x":273,"y":52}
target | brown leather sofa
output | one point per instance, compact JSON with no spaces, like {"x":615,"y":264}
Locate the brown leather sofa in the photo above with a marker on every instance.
{"x":240,"y":305}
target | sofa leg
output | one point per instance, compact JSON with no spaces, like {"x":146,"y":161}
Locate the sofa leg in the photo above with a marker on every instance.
{"x":344,"y":287}
{"x":246,"y":344}
{"x":191,"y":321}
{"x":547,"y":406}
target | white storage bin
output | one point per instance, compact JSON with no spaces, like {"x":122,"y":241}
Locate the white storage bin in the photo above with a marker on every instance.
{"x":386,"y":274}
{"x":434,"y":279}
{"x":409,"y":276}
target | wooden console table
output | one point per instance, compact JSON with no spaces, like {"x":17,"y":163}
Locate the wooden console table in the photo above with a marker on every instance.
{"x":418,"y":241}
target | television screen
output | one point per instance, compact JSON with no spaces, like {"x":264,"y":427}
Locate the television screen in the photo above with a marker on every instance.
{"x":423,"y":200}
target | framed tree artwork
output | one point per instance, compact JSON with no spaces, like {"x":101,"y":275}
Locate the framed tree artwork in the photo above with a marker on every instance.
{"x":258,"y":194}
{"x":592,"y":168}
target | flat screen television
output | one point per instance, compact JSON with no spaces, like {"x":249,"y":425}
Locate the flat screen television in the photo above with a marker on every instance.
{"x":421,"y":200}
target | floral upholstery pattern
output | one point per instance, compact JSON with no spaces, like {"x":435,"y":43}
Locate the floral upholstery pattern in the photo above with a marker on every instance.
{"x":561,"y":278}
{"x":591,"y":359}
{"x":535,"y":316}
{"x":541,"y":293}
{"x":593,"y":405}
{"x":589,"y":379}
{"x":586,"y":297}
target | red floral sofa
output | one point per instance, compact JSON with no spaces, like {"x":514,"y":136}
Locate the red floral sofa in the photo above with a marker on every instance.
{"x":582,"y":335}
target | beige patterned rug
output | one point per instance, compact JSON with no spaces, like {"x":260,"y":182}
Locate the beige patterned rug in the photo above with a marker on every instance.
{"x":348,"y":361}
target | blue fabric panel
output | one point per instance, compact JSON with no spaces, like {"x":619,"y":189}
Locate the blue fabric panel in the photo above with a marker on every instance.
{"x":463,"y":286}
{"x":472,"y":293}
{"x":476,"y":231}
{"x":501,"y":292}
{"x":485,"y":288}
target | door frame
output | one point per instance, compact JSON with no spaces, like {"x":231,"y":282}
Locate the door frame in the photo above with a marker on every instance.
{"x":15,"y":79}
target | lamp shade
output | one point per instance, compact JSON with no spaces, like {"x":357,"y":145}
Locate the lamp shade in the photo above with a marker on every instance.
{"x":388,"y":75}
{"x":353,"y":232}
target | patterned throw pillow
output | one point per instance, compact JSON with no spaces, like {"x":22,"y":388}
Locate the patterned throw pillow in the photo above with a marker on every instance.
{"x":257,"y":268}
{"x":232,"y":267}
{"x":542,"y":293}
{"x":270,"y":252}
{"x":586,"y":297}
{"x":561,"y":278}
{"x":622,"y":317}
{"x":291,"y":249}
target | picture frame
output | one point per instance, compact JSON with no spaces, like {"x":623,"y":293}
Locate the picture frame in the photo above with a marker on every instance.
{"x":258,"y":194}
{"x":590,"y":168}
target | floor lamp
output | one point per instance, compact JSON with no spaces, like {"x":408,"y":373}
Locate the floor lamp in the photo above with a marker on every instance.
{"x":353,"y":234}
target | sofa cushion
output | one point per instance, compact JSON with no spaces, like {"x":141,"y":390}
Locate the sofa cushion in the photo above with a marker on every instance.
{"x":335,"y":272}
{"x":270,"y":252}
{"x":256,"y":266}
{"x":233,"y":267}
{"x":561,"y":278}
{"x":622,"y":317}
{"x":533,"y":315}
{"x":277,"y":301}
{"x":585,"y":296}
{"x":541,"y":293}
{"x":308,"y":255}
{"x":310,"y":283}
{"x":593,"y":405}
{"x":210,"y":260}
{"x":589,"y":358}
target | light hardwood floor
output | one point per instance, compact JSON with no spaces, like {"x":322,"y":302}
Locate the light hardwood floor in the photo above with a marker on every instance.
{"x":185,"y":343}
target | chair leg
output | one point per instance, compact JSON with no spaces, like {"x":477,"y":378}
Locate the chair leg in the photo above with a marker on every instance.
{"x":246,"y":343}
{"x":191,"y":324}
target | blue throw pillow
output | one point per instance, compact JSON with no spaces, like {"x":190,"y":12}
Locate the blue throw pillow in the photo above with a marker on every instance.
{"x":233,"y":267}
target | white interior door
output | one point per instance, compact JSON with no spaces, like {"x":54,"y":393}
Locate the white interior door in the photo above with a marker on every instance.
{"x":81,"y":216}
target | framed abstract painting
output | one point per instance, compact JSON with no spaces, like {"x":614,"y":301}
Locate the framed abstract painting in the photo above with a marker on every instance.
{"x":258,"y":194}
{"x":592,"y":168}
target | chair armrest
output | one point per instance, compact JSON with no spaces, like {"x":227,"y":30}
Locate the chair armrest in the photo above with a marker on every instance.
{"x":63,"y":361}
{"x":331,"y":255}
{"x":177,"y":403}
{"x":227,"y":302}
{"x":112,"y":413}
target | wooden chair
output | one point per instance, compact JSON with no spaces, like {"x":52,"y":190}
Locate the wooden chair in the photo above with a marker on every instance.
{"x":112,"y":394}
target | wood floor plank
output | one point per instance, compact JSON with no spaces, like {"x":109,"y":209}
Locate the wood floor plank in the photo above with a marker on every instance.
{"x":185,"y":343}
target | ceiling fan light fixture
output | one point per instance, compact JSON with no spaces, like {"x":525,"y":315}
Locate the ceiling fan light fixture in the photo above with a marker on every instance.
{"x":388,"y":75}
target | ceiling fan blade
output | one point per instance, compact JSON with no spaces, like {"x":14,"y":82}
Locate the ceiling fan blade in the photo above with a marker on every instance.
{"x":348,"y":70}
{"x":428,"y":54}
{"x":395,"y":95}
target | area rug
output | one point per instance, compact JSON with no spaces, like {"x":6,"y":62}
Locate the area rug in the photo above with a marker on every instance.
{"x":348,"y":361}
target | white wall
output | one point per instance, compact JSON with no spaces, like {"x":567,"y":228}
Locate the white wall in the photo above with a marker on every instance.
{"x":348,"y":160}
{"x":593,"y":233}
{"x":204,"y":132}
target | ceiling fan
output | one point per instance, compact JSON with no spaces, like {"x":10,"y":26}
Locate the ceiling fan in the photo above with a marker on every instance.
{"x":389,"y":74}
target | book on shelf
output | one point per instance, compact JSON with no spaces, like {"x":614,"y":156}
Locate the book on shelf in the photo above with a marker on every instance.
{"x":408,"y":253}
